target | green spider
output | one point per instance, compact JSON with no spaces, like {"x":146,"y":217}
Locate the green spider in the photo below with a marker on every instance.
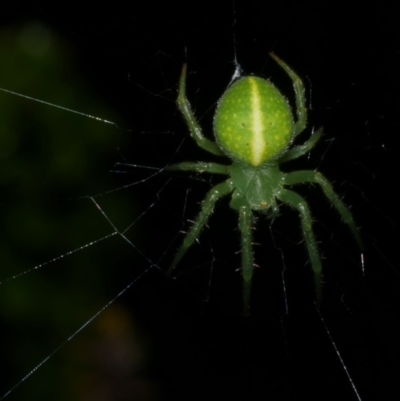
{"x":254,"y":127}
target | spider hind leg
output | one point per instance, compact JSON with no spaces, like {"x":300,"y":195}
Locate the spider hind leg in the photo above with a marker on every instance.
{"x":307,"y":176}
{"x":212,"y":197}
{"x":299,"y":203}
{"x":240,"y":204}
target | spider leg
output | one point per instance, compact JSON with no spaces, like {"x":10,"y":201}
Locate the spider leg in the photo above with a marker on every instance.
{"x":298,"y":86}
{"x":300,"y":177}
{"x":298,"y":202}
{"x":194,"y":127}
{"x":242,"y":206}
{"x":200,"y":167}
{"x":212,"y":197}
{"x":245,"y":219}
{"x":301,"y":150}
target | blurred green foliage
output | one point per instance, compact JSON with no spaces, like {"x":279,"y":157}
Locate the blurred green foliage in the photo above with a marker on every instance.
{"x":50,"y":159}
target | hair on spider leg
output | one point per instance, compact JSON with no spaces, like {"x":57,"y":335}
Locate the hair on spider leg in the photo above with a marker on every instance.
{"x":255,"y":265}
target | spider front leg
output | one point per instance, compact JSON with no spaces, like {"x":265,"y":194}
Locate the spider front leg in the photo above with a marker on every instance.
{"x":200,"y":167}
{"x":212,"y":197}
{"x":300,"y":177}
{"x":301,"y":150}
{"x":298,"y":202}
{"x":298,"y":86}
{"x":194,"y":127}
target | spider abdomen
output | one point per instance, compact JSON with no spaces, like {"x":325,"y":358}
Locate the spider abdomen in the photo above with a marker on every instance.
{"x":253,"y":121}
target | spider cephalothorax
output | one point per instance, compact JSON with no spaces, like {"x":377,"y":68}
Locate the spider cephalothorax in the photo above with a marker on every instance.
{"x":254,"y":127}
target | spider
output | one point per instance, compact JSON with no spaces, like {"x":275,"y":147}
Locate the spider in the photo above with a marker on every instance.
{"x":255,"y":128}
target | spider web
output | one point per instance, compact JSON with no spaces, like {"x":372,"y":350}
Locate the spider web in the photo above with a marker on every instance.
{"x":85,"y":239}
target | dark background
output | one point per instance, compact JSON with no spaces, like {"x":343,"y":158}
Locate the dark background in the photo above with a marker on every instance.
{"x":184,"y":337}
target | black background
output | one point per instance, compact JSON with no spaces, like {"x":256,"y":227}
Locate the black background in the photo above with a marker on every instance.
{"x":196,"y":343}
